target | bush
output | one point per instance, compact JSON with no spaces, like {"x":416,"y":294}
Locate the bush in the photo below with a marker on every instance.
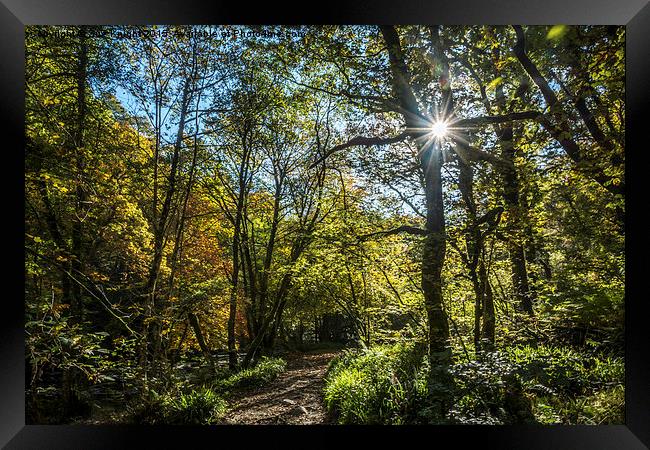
{"x":200,"y":407}
{"x":488,"y":391}
{"x":265,"y":371}
{"x":571,"y":387}
{"x":393,"y":385}
{"x":197,"y":407}
{"x":561,"y":370}
{"x":604,"y":407}
{"x":556,"y":370}
{"x":381,"y":385}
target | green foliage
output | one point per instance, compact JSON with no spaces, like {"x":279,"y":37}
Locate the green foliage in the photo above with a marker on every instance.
{"x":570,"y":387}
{"x":196,"y":407}
{"x":54,"y":342}
{"x":604,"y":407}
{"x":381,"y":385}
{"x":561,"y":370}
{"x":488,"y":392}
{"x":391,"y":385}
{"x":266,"y":370}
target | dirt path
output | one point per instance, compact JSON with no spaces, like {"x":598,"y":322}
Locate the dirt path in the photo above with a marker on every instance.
{"x":294,"y":398}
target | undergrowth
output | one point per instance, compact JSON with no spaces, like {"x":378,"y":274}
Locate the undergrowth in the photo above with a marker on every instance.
{"x":196,"y":407}
{"x":265,"y":371}
{"x":390,"y":385}
{"x":191,"y":405}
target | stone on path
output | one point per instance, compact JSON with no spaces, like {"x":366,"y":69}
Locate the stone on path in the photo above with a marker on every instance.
{"x":299,"y":410}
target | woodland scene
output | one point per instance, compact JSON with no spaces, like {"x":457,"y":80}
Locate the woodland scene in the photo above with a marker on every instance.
{"x":408,"y":224}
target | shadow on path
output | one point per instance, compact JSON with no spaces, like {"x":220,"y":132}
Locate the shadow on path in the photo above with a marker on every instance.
{"x":294,"y":398}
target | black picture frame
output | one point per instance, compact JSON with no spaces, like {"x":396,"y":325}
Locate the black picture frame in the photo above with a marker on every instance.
{"x":15,"y":14}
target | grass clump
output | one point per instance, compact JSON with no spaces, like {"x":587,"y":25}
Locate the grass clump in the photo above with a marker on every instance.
{"x":202,"y":406}
{"x":380,"y":385}
{"x":265,"y":371}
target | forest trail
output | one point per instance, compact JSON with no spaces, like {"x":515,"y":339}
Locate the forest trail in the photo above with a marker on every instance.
{"x":294,"y":398}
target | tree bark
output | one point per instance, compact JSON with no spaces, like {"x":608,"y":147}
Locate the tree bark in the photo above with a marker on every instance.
{"x":196,"y":326}
{"x":151,"y":325}
{"x":473,"y":236}
{"x":434,"y":246}
{"x":81,"y":208}
{"x":511,"y":189}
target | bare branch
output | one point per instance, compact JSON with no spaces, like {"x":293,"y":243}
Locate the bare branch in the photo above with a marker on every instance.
{"x":467,"y":152}
{"x":361,"y":140}
{"x":481,"y":120}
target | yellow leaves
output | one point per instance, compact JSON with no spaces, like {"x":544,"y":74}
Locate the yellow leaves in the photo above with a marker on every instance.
{"x":149,"y":320}
{"x":104,"y":176}
{"x":96,"y":276}
{"x":557,"y":31}
{"x":494,"y":83}
{"x":58,"y":308}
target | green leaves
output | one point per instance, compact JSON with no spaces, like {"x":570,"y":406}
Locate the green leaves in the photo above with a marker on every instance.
{"x":492,"y":85}
{"x":556,"y":32}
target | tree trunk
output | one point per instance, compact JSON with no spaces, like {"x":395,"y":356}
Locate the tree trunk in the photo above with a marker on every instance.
{"x":433,"y":253}
{"x":489,"y":316}
{"x":232,"y":310}
{"x":194,"y":323}
{"x":511,"y":189}
{"x":151,"y":326}
{"x":76,"y":308}
{"x":433,"y":256}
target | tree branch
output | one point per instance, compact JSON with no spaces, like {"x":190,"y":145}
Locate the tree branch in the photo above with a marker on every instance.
{"x":402,"y":229}
{"x":361,"y":140}
{"x":481,"y":120}
{"x":467,"y":152}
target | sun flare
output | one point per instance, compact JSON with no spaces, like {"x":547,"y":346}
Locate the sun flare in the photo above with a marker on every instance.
{"x":439,"y":129}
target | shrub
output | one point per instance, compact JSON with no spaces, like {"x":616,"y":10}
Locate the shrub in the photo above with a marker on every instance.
{"x":197,"y":407}
{"x":394,"y":385}
{"x":488,"y":391}
{"x":571,"y":387}
{"x":266,"y":370}
{"x":604,"y":407}
{"x":381,"y":385}
{"x":551,"y":369}
{"x":560,"y":370}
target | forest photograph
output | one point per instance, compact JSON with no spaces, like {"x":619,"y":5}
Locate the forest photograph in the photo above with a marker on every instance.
{"x":324,"y":225}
